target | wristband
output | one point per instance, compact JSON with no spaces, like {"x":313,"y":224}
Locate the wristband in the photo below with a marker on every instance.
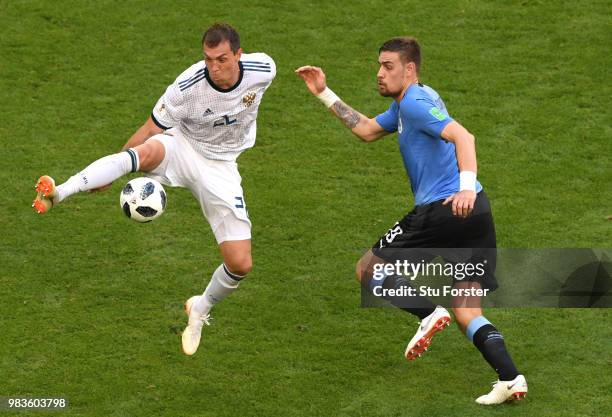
{"x":467,"y":181}
{"x":328,"y":97}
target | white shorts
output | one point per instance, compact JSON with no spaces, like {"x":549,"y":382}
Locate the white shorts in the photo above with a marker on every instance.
{"x":215,"y":184}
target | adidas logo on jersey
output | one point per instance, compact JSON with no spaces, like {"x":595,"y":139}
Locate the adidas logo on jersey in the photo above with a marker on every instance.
{"x":208,"y":112}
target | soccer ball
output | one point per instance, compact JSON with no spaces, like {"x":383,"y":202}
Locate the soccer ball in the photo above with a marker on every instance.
{"x":143,"y":199}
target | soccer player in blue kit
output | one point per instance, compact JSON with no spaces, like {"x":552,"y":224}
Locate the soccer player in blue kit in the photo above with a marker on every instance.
{"x":451,"y":209}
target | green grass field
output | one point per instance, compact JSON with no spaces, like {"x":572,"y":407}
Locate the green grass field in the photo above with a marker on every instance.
{"x":91,"y":303}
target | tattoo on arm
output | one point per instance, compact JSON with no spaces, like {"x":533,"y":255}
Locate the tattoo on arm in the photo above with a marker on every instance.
{"x":348,"y":115}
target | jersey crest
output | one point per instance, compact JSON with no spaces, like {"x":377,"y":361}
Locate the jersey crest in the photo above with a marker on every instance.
{"x":249,"y":98}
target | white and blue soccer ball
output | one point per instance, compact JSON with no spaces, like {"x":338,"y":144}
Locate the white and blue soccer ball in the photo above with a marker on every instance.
{"x":143,"y":199}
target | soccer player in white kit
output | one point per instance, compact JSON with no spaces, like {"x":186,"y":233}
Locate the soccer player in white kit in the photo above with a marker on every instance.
{"x":197,"y":129}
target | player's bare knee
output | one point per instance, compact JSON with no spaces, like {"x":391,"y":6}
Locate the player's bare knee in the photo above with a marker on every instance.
{"x":358,"y":270}
{"x":460,"y":318}
{"x":237,"y":256}
{"x":150,"y":154}
{"x":240,"y":264}
{"x":363,"y":265}
{"x":464,"y":315}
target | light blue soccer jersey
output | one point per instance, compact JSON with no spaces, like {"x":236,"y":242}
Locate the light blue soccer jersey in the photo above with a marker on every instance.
{"x":430,"y":161}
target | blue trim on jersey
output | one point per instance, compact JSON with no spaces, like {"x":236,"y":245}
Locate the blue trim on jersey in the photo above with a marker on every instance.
{"x":257,"y":66}
{"x":256,"y":62}
{"x":182,"y":83}
{"x":474,"y":325}
{"x":256,"y":69}
{"x":193,"y":81}
{"x":157,"y":122}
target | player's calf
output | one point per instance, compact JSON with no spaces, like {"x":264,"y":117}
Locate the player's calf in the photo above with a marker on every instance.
{"x":464,"y":315}
{"x":490,"y":342}
{"x":394,"y":288}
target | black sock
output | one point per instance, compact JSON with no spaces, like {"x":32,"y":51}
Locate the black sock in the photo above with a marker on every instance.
{"x":491,"y":344}
{"x":415,"y":304}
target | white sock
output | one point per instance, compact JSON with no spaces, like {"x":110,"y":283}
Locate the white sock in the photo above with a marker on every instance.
{"x":99,"y":173}
{"x":222,"y":284}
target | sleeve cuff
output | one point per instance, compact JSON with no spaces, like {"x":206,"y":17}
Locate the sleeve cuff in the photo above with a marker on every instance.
{"x":442,"y":125}
{"x":384,"y":125}
{"x":157,"y":123}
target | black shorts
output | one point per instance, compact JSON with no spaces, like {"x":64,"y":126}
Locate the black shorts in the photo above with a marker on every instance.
{"x":431,"y":231}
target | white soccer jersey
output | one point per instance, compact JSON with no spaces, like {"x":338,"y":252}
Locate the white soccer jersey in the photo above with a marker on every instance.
{"x":218,"y":123}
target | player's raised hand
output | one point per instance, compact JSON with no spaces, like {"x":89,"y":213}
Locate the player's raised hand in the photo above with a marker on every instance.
{"x":463,"y":203}
{"x":314,"y":77}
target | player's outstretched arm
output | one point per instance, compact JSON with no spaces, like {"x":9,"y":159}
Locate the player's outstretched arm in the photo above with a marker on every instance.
{"x":363,"y":127}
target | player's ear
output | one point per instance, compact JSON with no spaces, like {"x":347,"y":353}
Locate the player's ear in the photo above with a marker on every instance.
{"x":238,"y":54}
{"x":411,"y":67}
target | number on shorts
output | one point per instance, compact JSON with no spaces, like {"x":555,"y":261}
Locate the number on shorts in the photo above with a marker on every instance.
{"x":392,"y":234}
